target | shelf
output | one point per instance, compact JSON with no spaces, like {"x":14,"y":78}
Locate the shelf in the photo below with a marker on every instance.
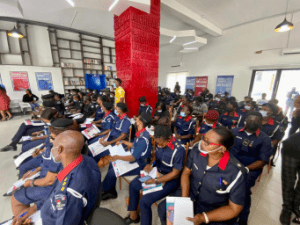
{"x":91,"y":58}
{"x":108,"y":47}
{"x":110,"y":71}
{"x":70,"y":58}
{"x":10,"y":53}
{"x":75,"y":50}
{"x":72,"y":68}
{"x":65,"y":39}
{"x":92,"y":52}
{"x":84,"y":39}
{"x":91,"y":46}
{"x":92,"y":64}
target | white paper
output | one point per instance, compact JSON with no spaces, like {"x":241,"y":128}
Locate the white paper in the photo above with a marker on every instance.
{"x":78,"y":117}
{"x":26,"y":138}
{"x":118,"y":150}
{"x":121,"y":167}
{"x":97,"y":148}
{"x":90,"y":132}
{"x":89,"y":120}
{"x":132,"y":121}
{"x":26,"y":155}
{"x":182,"y":209}
{"x":33,"y":123}
{"x":35,"y":219}
{"x":76,"y":114}
{"x":150,"y":188}
{"x":21,"y":182}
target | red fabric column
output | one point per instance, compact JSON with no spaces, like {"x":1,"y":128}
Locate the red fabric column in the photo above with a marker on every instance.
{"x":137,"y":54}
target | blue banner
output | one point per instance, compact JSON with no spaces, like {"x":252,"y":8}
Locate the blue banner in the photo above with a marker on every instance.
{"x":190,"y":83}
{"x":44,"y":81}
{"x":224,"y":84}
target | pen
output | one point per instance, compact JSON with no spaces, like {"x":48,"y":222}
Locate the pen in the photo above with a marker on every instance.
{"x":153,"y":163}
{"x":23,"y":214}
{"x":221,"y":182}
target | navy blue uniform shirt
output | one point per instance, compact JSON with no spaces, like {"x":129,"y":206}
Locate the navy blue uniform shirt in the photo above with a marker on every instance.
{"x":230,"y":122}
{"x":146,"y":108}
{"x":185,"y":127}
{"x":99,"y":114}
{"x":204,"y":128}
{"x":273,"y":129}
{"x":122,"y":125}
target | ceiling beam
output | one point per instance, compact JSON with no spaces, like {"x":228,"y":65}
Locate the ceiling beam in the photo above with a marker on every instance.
{"x":188,"y":16}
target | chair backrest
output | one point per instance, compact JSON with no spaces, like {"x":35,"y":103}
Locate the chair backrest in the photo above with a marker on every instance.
{"x":186,"y":153}
{"x":197,"y":126}
{"x":129,"y":138}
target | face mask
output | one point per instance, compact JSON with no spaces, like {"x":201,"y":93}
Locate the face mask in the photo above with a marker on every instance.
{"x":177,"y":93}
{"x":104,"y":93}
{"x":159,"y":111}
{"x":209,"y":124}
{"x":217,"y":99}
{"x":142,"y":104}
{"x":116,"y":112}
{"x":264,"y":113}
{"x":101,"y":93}
{"x":74,"y":100}
{"x":159,"y":93}
{"x":182,"y":114}
{"x":111,"y":96}
{"x":252,"y":126}
{"x":206,"y":152}
{"x":229,"y":109}
{"x":53,"y":157}
{"x":114,"y":85}
{"x":247,"y":107}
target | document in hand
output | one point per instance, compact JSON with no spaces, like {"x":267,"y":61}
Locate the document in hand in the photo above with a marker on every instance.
{"x":20,"y":183}
{"x":178,"y":209}
{"x":76,"y":114}
{"x":90,"y":132}
{"x":87,"y":123}
{"x":33,"y":123}
{"x":26,"y":138}
{"x":121,"y":167}
{"x":97,"y":148}
{"x":151,"y":187}
{"x":35,"y":219}
{"x":26,"y":155}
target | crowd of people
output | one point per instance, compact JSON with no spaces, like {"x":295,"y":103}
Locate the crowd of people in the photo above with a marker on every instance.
{"x":209,"y":148}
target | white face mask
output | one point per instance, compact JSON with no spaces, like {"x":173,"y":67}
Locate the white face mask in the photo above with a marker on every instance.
{"x":111,"y":96}
{"x":264,"y":113}
{"x":208,"y":124}
{"x":247,"y":107}
{"x":53,"y":157}
{"x":217,"y":99}
{"x":206,"y":152}
{"x":159,"y":111}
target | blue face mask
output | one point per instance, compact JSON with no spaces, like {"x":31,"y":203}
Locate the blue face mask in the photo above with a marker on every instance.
{"x":182,"y":114}
{"x":264,"y":113}
{"x":53,"y":157}
{"x":116,"y":112}
{"x":74,"y":100}
{"x":115,"y":85}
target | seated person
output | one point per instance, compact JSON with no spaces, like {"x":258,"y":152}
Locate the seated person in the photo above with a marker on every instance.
{"x":184,"y":127}
{"x":141,"y":148}
{"x":59,"y":105}
{"x":160,"y":111}
{"x":37,"y":189}
{"x":210,"y":122}
{"x":199,"y":107}
{"x":78,"y":105}
{"x":28,"y":130}
{"x":94,"y":98}
{"x":185,"y":102}
{"x":76,"y":189}
{"x":144,"y":106}
{"x":177,"y":98}
{"x":99,"y":114}
{"x":248,"y":107}
{"x":168,"y":159}
{"x":31,"y":99}
{"x":214,"y":180}
{"x":231,"y":118}
{"x":112,"y":97}
{"x":88,"y":108}
{"x":243,"y":103}
{"x":207,"y":96}
{"x":107,"y":123}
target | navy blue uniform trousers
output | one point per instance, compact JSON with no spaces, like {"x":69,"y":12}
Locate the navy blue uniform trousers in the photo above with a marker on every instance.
{"x":25,"y":130}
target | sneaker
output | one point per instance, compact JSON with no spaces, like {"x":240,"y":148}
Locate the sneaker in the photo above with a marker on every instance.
{"x":8,"y":148}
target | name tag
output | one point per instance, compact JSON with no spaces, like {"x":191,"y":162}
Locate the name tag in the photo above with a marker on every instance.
{"x":239,"y":137}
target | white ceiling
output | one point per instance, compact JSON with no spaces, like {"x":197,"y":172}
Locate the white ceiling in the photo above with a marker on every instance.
{"x":229,"y":13}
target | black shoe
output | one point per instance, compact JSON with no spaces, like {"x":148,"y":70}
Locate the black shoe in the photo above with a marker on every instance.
{"x":109,"y":195}
{"x":8,"y":148}
{"x":243,"y":222}
{"x":285,"y":217}
{"x":128,"y":221}
{"x":20,"y":142}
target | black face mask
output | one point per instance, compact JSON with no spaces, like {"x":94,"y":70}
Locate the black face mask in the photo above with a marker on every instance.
{"x":229,"y":109}
{"x":252,"y":126}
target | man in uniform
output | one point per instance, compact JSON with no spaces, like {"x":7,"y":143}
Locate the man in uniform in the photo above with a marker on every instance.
{"x":120,"y":93}
{"x":144,"y":106}
{"x":231,"y":118}
{"x":253,"y":149}
{"x":76,"y":189}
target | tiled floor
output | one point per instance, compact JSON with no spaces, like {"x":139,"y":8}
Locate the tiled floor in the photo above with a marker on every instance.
{"x":266,"y":198}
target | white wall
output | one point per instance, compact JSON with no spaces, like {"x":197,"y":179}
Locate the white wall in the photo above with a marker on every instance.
{"x":31,"y":70}
{"x":234,"y":54}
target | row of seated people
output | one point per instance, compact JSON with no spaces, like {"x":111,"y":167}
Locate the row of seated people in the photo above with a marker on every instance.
{"x":221,"y":166}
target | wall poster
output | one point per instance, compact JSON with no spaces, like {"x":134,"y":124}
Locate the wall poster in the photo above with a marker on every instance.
{"x":44,"y":81}
{"x":224,"y":84}
{"x":20,"y":81}
{"x":190,"y":83}
{"x":200,"y":85}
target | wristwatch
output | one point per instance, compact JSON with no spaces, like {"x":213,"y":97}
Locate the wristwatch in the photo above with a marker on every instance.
{"x":156,"y":182}
{"x":32,"y":183}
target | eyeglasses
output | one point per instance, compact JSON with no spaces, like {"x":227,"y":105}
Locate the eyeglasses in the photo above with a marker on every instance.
{"x":206,"y":143}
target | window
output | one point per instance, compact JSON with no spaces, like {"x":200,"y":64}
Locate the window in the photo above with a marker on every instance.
{"x":177,"y":77}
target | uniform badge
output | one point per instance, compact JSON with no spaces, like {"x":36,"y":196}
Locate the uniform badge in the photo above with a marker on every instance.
{"x":60,"y":201}
{"x":246,"y":142}
{"x":251,"y":143}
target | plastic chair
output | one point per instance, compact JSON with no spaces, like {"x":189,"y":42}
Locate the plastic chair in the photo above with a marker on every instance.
{"x":24,"y":106}
{"x":14,"y":105}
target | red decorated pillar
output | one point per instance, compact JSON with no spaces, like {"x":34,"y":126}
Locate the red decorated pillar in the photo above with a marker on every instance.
{"x":137,"y":54}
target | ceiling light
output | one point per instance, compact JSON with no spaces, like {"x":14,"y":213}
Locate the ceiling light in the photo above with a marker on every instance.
{"x":285,"y":25}
{"x":15,"y":33}
{"x":173,"y":39}
{"x":190,"y":48}
{"x":190,"y":43}
{"x":71,"y":2}
{"x":113,"y":5}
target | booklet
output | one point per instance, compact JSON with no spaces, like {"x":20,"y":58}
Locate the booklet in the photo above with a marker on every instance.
{"x":35,"y":219}
{"x":26,"y":138}
{"x":90,"y":132}
{"x":97,"y":148}
{"x":18,"y":184}
{"x":171,"y":205}
{"x":34,"y":123}
{"x":26,"y":155}
{"x":150,"y":188}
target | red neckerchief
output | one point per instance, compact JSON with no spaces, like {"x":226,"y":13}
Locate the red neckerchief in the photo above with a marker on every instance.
{"x":223,"y":161}
{"x":138,"y":133}
{"x":121,"y":117}
{"x":271,"y":121}
{"x":235,"y":114}
{"x":182,"y":106}
{"x":62,"y":174}
{"x":215,"y":124}
{"x":187,"y":119}
{"x":107,"y":113}
{"x":257,"y":131}
{"x":146,"y":104}
{"x":170,"y":144}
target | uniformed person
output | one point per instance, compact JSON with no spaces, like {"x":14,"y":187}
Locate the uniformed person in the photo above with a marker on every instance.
{"x":76,"y":189}
{"x":140,"y":150}
{"x":176,"y":98}
{"x":89,"y":108}
{"x":199,"y":108}
{"x":216,"y":104}
{"x":184,"y":127}
{"x":248,"y":107}
{"x":144,"y":106}
{"x":185,"y":101}
{"x":231,"y":118}
{"x":169,"y":157}
{"x":213,"y":179}
{"x":253,"y":149}
{"x":58,"y":104}
{"x":78,"y":105}
{"x":210,"y":122}
{"x":160,"y":111}
{"x":99,"y":114}
{"x":207,"y":96}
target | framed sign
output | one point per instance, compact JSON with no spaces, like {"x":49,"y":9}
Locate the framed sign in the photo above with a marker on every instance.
{"x":200,"y":85}
{"x":20,"y":81}
{"x":224,"y":84}
{"x":44,"y":81}
{"x":190,"y":83}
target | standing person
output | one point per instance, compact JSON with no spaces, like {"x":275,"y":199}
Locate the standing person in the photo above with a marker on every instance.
{"x":119,"y":93}
{"x":177,"y":87}
{"x":4,"y":104}
{"x":262,"y":101}
{"x":31,"y":99}
{"x":291,"y":96}
{"x":296,"y":116}
{"x":253,"y":149}
{"x":289,"y":173}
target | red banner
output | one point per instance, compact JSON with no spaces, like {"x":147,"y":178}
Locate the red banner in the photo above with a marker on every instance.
{"x":200,"y":85}
{"x":19,"y":80}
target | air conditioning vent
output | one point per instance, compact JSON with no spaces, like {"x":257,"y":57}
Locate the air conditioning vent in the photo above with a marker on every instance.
{"x":291,"y":51}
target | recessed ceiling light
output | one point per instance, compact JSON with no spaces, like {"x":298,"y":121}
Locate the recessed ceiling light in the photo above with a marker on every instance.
{"x":71,"y":2}
{"x":189,"y":42}
{"x":173,"y":39}
{"x":190,"y":48}
{"x":113,"y":5}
